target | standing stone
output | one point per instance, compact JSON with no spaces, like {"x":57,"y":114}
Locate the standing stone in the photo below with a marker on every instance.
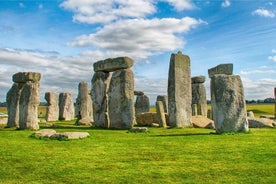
{"x":66,"y":107}
{"x":180,"y":91}
{"x":100,"y":85}
{"x":120,"y":99}
{"x":199,"y":95}
{"x":12,"y":99}
{"x":228,"y":103}
{"x":160,"y":114}
{"x":84,"y":103}
{"x":194,"y":110}
{"x":164,"y":100}
{"x":52,"y":111}
{"x":28,"y":106}
{"x":275,"y":102}
{"x":142,"y":104}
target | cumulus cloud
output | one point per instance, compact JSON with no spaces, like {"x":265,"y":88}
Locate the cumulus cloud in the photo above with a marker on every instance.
{"x":273,"y":58}
{"x":139,"y":38}
{"x":104,"y":11}
{"x":181,"y":5}
{"x":264,"y":13}
{"x":226,"y":3}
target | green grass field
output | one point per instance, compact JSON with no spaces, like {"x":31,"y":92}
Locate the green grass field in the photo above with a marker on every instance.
{"x":176,"y":155}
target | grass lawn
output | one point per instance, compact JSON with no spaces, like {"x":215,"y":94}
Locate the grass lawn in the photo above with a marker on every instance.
{"x":177,"y":155}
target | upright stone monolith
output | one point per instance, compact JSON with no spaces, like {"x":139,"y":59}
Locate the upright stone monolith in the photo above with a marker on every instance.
{"x":199,"y":96}
{"x":100,"y":85}
{"x":120,"y":99}
{"x":23,"y":100}
{"x":164,"y":100}
{"x":180,"y":91}
{"x":142,"y":104}
{"x":52,"y":111}
{"x":84,"y":109}
{"x":160,"y":114}
{"x":66,"y":107}
{"x":228,"y":103}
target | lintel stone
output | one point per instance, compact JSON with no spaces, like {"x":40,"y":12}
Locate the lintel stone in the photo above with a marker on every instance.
{"x":22,"y":77}
{"x":226,"y":69}
{"x":113,"y":64}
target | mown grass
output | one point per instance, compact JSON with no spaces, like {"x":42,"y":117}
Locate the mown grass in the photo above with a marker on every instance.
{"x":261,"y":109}
{"x":177,"y":155}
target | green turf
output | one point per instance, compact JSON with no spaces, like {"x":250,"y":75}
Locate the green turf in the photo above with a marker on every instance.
{"x":176,"y":155}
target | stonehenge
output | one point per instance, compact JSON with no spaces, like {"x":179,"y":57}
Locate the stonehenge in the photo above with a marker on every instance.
{"x":199,"y":101}
{"x":113,"y":97}
{"x":227,"y":98}
{"x":23,"y":100}
{"x":179,"y":91}
{"x":164,"y":100}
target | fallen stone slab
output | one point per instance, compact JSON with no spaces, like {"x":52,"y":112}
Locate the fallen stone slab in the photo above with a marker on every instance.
{"x":113,"y":64}
{"x":260,"y":122}
{"x":52,"y":134}
{"x":22,"y":77}
{"x":75,"y":135}
{"x":46,"y":133}
{"x":202,"y":122}
{"x":138,"y":129}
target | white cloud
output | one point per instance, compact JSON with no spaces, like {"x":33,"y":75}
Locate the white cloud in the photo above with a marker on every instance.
{"x":226,"y":3}
{"x":104,"y":11}
{"x":181,"y":5}
{"x":264,"y":13}
{"x":273,"y":58}
{"x":139,"y":38}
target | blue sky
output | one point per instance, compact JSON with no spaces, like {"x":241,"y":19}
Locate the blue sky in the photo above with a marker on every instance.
{"x":62,"y":39}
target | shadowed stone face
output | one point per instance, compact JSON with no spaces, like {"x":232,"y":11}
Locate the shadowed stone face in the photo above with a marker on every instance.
{"x":142,"y":104}
{"x":228,"y":104}
{"x":179,"y":91}
{"x":52,"y":111}
{"x":66,"y":107}
{"x":164,"y":100}
{"x":199,"y":100}
{"x":23,"y":77}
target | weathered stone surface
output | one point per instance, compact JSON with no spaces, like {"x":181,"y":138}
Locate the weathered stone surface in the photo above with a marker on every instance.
{"x":209,"y":114}
{"x":199,"y":98}
{"x":164,"y":100}
{"x":113,"y":64}
{"x":142,"y":104}
{"x":228,"y":104}
{"x":260,"y":122}
{"x":52,"y":111}
{"x":84,"y":103}
{"x":100,"y":85}
{"x":28,"y":106}
{"x":202,"y":122}
{"x":121,"y":100}
{"x":84,"y":121}
{"x":226,"y":69}
{"x":12,"y":99}
{"x":160,"y":114}
{"x":179,"y":91}
{"x":46,"y":133}
{"x":138,"y":129}
{"x":194,"y":109}
{"x":75,"y":135}
{"x":149,"y":119}
{"x":22,"y":77}
{"x":139,"y":93}
{"x":250,"y":114}
{"x":198,"y":79}
{"x":66,"y":107}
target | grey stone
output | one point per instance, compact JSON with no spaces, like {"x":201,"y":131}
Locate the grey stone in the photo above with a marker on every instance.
{"x":113,"y":64}
{"x":160,"y":114}
{"x":46,"y":133}
{"x":66,"y":107}
{"x":202,"y":122}
{"x":75,"y":135}
{"x":164,"y":100}
{"x":199,"y":98}
{"x":146,"y":119}
{"x":28,"y":106}
{"x":228,"y":104}
{"x":23,"y":77}
{"x":194,"y":109}
{"x":179,"y":91}
{"x":52,"y":110}
{"x":84,"y":108}
{"x":250,"y":114}
{"x":138,"y":129}
{"x":226,"y":69}
{"x":84,"y":121}
{"x":142,"y":104}
{"x":198,"y":79}
{"x":100,"y":85}
{"x":260,"y":122}
{"x":12,"y":99}
{"x":139,"y":93}
{"x":121,"y":100}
